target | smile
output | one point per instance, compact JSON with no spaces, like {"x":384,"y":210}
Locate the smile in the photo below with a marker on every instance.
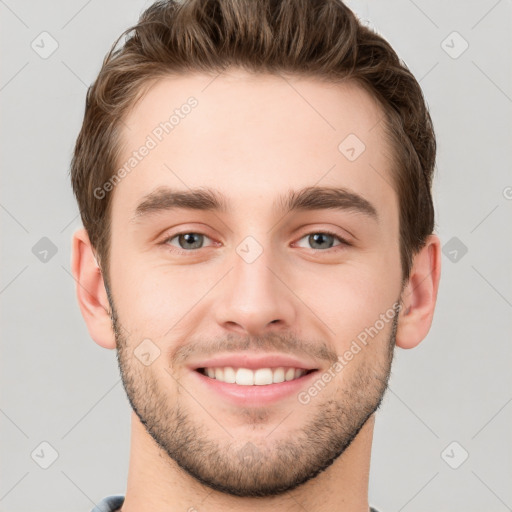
{"x":253,"y":377}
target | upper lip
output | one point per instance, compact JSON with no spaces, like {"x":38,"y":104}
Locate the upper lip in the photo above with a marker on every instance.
{"x":254,"y":361}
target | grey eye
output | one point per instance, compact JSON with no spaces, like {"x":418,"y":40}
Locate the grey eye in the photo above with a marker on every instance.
{"x":188,"y":241}
{"x":321,"y":240}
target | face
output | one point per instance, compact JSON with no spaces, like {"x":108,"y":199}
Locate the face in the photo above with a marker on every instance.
{"x":254,"y":317}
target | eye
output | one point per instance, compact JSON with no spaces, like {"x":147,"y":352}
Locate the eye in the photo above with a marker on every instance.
{"x":187,"y":241}
{"x":322,"y":240}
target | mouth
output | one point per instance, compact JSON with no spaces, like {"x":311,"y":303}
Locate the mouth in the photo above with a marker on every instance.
{"x":253,"y":380}
{"x":254,"y":377}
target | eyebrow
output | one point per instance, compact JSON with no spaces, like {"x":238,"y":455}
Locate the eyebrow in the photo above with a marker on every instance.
{"x":207,"y":199}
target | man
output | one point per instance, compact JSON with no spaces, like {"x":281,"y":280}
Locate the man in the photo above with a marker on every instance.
{"x":254,"y":180}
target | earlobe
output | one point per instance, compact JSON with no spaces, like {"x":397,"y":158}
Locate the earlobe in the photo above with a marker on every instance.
{"x":419,"y":295}
{"x":90,"y":291}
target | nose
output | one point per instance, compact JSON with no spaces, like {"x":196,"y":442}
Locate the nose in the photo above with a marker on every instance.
{"x":254,"y":298}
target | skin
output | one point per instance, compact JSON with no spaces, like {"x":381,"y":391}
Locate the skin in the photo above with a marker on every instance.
{"x":253,"y":138}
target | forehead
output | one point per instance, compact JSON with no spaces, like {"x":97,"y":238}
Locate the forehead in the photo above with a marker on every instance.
{"x":252,"y":137}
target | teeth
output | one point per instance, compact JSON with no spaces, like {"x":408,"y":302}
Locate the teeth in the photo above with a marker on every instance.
{"x":244,"y":377}
{"x":259,"y":377}
{"x":278,"y":375}
{"x":262,"y":376}
{"x":229,"y":375}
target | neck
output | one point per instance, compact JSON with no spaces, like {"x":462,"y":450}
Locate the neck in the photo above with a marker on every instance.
{"x":157,"y":484}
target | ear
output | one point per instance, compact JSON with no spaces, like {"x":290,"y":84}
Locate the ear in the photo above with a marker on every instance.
{"x":90,"y":291}
{"x":419,"y":295}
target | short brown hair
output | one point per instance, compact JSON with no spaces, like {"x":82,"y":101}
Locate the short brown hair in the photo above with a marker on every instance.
{"x":315,"y":38}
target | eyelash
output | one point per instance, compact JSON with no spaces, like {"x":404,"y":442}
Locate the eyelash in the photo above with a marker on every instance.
{"x":189,"y":252}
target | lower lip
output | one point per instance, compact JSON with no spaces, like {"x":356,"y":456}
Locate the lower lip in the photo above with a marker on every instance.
{"x":256,"y":395}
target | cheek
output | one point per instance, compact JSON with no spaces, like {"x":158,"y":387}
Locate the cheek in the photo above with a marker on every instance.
{"x":357,"y":297}
{"x":153,"y":297}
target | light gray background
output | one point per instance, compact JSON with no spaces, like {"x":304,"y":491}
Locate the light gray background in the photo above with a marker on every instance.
{"x":59,"y":387}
